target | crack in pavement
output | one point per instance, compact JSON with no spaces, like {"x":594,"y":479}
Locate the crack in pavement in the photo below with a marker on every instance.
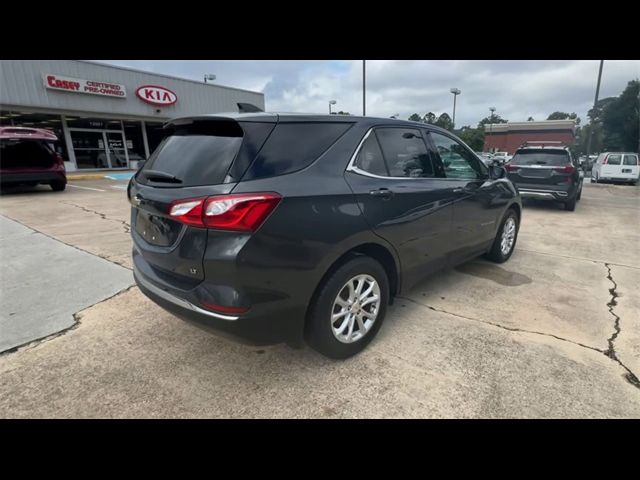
{"x":126,"y":226}
{"x":600,"y":262}
{"x":35,"y":230}
{"x":611,"y":352}
{"x":630,"y":377}
{"x":76,"y":317}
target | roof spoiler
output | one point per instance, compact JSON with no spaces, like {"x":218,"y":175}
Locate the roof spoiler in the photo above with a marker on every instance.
{"x":248,"y":108}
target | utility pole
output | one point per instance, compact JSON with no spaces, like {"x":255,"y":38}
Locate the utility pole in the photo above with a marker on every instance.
{"x":594,"y":106}
{"x":364,"y":88}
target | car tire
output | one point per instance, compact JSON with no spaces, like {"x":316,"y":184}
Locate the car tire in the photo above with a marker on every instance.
{"x":497,"y":254}
{"x":570,"y":205}
{"x":58,"y":186}
{"x":579,"y":195}
{"x":322,"y":334}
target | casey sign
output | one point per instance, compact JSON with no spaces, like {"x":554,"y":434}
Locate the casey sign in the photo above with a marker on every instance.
{"x":79,"y":85}
{"x":156,"y":95}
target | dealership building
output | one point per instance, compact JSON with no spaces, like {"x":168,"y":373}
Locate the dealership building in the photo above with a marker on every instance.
{"x":105,"y":117}
{"x":508,"y":137}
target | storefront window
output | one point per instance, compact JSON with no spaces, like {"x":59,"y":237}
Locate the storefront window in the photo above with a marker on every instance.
{"x":37,"y":120}
{"x":135,"y":143}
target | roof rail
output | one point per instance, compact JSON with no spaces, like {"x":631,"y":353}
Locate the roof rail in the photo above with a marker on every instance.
{"x":542,"y":143}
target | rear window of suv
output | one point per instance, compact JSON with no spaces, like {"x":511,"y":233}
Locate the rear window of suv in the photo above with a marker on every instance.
{"x":294,"y":146}
{"x":197,"y":154}
{"x":540,"y":157}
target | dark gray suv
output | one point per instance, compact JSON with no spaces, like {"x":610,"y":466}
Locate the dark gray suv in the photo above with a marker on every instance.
{"x":291,"y":228}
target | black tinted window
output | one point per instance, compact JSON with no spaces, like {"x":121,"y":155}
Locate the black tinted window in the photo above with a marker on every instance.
{"x":458,"y":162}
{"x":630,"y":160}
{"x":405,"y":152}
{"x":370,"y":158}
{"x":540,"y":157}
{"x":195,"y":155}
{"x":294,"y":146}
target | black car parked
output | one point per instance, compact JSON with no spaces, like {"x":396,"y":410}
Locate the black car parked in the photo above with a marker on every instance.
{"x":547,"y":172}
{"x":289,"y":228}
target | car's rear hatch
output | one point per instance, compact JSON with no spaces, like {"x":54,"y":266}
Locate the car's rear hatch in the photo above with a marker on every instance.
{"x":199,"y":157}
{"x":546,"y":167}
{"x":25,"y":155}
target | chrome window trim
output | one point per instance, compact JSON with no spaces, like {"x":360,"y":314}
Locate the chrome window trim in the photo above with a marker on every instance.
{"x":352,"y":168}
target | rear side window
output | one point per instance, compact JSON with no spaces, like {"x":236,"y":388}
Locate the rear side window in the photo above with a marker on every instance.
{"x":630,"y":160}
{"x":541,"y":157}
{"x":614,"y":159}
{"x":195,"y":155}
{"x":294,"y":146}
{"x":405,"y":152}
{"x":370,"y":157}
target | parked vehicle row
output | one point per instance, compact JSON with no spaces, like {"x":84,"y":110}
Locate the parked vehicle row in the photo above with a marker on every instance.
{"x":273,"y":227}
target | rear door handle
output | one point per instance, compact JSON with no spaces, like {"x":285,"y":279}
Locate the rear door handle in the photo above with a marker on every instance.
{"x":381,"y":192}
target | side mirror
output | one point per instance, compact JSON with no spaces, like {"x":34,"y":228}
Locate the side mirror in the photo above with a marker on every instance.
{"x":497,"y":171}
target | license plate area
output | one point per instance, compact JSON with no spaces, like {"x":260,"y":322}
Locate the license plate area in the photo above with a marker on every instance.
{"x":156,"y":230}
{"x":626,"y":170}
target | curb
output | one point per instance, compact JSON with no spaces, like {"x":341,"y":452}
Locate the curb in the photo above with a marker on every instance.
{"x":85,"y":176}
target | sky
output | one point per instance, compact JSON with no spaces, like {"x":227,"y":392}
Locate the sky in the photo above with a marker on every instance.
{"x":517,"y":89}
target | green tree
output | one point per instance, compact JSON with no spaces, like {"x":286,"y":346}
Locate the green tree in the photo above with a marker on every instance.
{"x":564,"y":116}
{"x":492,"y":119}
{"x":444,"y":121}
{"x":415,"y":118}
{"x":621,"y":120}
{"x":429,"y":118}
{"x":474,"y":137}
{"x":530,"y":119}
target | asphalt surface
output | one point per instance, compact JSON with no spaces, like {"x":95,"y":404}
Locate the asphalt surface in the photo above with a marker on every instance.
{"x":554,"y":332}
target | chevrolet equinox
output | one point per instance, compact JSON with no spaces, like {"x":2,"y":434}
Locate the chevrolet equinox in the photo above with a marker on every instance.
{"x":302,"y":228}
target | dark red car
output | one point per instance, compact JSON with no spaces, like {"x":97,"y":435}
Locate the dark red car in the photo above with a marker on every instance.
{"x":28,"y":156}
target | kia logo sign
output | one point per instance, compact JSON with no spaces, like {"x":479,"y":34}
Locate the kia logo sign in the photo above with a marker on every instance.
{"x":156,"y":95}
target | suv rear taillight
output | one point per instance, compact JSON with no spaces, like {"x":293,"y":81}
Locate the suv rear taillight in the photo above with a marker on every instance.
{"x":59,"y":159}
{"x":243,"y":212}
{"x":566,"y":169}
{"x":605,"y":159}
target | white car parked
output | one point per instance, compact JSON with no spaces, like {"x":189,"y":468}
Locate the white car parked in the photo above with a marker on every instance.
{"x":616,"y":166}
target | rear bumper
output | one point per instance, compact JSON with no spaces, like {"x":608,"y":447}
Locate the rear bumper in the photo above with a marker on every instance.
{"x":547,"y":192}
{"x":25,"y":177}
{"x":253,"y":327}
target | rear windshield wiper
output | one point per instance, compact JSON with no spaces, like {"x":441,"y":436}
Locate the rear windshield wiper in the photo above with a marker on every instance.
{"x":158,"y":176}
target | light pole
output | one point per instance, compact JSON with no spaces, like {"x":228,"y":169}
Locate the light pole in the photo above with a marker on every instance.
{"x":331,"y":102}
{"x":364,"y":88}
{"x":209,"y":77}
{"x":594,"y":107}
{"x":492,"y":109}
{"x":456,"y":92}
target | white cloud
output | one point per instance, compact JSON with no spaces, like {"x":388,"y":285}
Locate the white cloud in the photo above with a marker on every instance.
{"x":517,"y":88}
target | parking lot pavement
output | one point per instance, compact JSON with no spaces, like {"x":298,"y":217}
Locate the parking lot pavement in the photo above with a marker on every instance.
{"x":554,"y":332}
{"x":38,"y":295}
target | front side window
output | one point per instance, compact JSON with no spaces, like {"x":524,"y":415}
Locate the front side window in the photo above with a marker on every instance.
{"x":405,"y":152}
{"x":630,"y":160}
{"x":458,"y":162}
